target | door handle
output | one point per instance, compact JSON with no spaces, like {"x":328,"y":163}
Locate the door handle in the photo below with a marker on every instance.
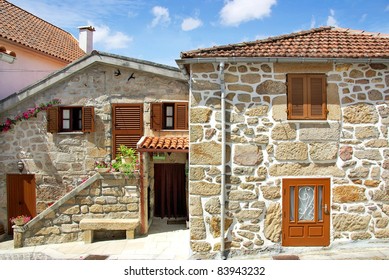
{"x":326,"y":210}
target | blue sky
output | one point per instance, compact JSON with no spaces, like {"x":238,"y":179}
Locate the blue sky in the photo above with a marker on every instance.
{"x":159,"y":30}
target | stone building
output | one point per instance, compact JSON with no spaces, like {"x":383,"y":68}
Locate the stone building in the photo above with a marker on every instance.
{"x":56,"y":129}
{"x":289,"y":141}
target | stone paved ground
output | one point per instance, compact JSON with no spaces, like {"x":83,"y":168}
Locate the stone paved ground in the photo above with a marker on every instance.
{"x":25,"y":256}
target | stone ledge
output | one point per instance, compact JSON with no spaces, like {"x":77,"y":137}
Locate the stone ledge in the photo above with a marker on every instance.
{"x":108,"y":224}
{"x":90,"y":225}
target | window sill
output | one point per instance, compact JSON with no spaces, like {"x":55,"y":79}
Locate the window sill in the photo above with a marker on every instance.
{"x":71,"y":133}
{"x":177,"y":130}
{"x":308,"y":121}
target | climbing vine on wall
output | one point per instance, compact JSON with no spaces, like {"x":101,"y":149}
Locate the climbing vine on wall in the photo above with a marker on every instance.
{"x":30,"y":113}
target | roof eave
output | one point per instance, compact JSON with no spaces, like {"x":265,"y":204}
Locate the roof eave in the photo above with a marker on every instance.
{"x":184,"y":62}
{"x":156,"y":150}
{"x":195,"y":60}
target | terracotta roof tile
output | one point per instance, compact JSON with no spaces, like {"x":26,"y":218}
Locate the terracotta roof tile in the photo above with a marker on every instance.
{"x":162,"y":144}
{"x":323,"y":42}
{"x":21,"y":27}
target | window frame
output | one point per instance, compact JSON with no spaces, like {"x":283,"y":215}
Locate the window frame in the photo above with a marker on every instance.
{"x":158,"y":117}
{"x":71,"y":118}
{"x":55,"y":119}
{"x":307,"y":92}
{"x":168,"y":115}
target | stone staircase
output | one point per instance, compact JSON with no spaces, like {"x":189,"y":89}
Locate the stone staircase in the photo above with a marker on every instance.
{"x":102,"y":196}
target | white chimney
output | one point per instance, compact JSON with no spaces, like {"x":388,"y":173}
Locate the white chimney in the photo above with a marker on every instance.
{"x":85,"y":39}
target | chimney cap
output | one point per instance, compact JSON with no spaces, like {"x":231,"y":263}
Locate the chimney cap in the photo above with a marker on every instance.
{"x":90,"y":28}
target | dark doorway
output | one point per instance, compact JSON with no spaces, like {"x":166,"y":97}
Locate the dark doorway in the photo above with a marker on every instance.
{"x":170,"y":191}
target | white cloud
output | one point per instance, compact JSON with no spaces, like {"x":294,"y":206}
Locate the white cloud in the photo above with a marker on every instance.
{"x":313,"y":22}
{"x":235,"y":12}
{"x":161,"y":16}
{"x":331,"y":20}
{"x":110,"y":40}
{"x":387,"y":8}
{"x":191,"y":23}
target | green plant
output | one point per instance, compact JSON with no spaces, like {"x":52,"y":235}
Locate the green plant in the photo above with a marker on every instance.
{"x":126,"y":160}
{"x":125,"y":151}
{"x":102,"y":164}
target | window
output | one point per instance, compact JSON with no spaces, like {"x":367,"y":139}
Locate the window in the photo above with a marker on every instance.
{"x":70,"y":119}
{"x":168,"y":114}
{"x":307,"y":97}
{"x":172,"y":116}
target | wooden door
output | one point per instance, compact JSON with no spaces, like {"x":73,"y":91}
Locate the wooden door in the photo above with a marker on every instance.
{"x":21,"y":196}
{"x":306,"y":212}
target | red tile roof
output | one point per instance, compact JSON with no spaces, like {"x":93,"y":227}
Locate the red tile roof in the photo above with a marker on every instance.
{"x":164,"y":144}
{"x":323,"y":42}
{"x":19,"y":26}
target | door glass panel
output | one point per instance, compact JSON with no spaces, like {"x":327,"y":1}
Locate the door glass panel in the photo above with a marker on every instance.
{"x":306,"y":198}
{"x":291,"y":204}
{"x":320,"y":203}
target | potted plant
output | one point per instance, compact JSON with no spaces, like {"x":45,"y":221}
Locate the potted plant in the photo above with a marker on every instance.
{"x":102,"y":167}
{"x":127,"y":155}
{"x":126,"y":161}
{"x":20,"y":220}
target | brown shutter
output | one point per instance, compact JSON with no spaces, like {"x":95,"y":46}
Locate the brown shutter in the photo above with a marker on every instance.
{"x":52,"y":119}
{"x":181,"y":116}
{"x":156,"y":116}
{"x":296,"y":99}
{"x":317,"y":108}
{"x":88,"y":119}
{"x":127,"y":128}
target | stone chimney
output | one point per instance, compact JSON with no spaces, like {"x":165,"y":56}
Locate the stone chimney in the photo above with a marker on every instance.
{"x":85,"y":39}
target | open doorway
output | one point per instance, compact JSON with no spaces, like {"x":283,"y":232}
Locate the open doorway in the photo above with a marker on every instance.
{"x":170,"y":199}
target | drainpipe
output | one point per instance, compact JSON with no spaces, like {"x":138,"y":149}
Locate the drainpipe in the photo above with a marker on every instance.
{"x":142,"y":204}
{"x":223,"y":160}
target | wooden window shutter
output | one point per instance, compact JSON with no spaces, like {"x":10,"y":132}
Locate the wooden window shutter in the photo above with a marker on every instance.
{"x":181,"y":116}
{"x":317,"y":104}
{"x":88,"y":119}
{"x":296,"y":97}
{"x":127,"y":128}
{"x":307,"y":97}
{"x":156,"y":116}
{"x":52,"y":119}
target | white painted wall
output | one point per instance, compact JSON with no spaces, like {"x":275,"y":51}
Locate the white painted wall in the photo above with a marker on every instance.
{"x":28,"y":68}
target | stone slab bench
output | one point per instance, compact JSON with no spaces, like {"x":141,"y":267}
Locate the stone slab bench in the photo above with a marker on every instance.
{"x":90,"y":225}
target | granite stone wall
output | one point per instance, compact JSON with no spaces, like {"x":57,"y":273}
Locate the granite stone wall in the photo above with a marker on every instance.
{"x":107,"y":195}
{"x":350,"y":148}
{"x":60,"y":161}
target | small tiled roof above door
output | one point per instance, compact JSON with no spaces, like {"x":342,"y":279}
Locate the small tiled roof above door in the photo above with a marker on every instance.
{"x":164,"y":144}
